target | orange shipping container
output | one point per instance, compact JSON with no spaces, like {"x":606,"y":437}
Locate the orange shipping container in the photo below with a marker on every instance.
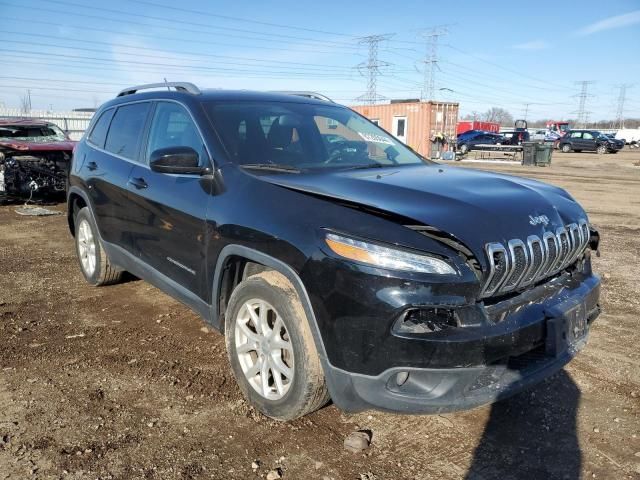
{"x":414,"y":122}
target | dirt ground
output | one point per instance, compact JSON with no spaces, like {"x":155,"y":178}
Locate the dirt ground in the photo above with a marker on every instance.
{"x":123,"y":382}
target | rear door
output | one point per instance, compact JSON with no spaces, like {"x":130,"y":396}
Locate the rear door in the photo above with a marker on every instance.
{"x":115,"y":143}
{"x":169,"y":210}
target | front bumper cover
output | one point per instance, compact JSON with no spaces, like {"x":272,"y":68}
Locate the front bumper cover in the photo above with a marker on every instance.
{"x":437,"y":390}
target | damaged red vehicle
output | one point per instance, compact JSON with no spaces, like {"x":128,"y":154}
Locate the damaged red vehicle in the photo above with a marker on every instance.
{"x":34,"y":158}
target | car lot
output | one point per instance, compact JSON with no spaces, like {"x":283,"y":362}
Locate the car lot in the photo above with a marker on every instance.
{"x":124,"y":382}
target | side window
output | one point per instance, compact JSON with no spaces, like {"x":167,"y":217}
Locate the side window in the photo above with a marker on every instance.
{"x":172,"y":126}
{"x":126,"y":129}
{"x":576,"y":135}
{"x":99,"y":132}
{"x":587,"y":136}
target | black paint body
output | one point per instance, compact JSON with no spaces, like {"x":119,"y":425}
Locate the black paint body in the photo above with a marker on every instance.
{"x":172,"y":229}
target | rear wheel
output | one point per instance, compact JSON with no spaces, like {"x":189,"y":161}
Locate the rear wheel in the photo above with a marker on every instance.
{"x":93,"y":260}
{"x":271,"y":349}
{"x":566,"y":148}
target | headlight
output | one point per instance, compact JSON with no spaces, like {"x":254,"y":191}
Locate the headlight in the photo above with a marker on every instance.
{"x":384,"y":257}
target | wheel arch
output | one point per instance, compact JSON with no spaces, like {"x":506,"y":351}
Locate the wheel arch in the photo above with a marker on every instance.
{"x":232,"y":265}
{"x":76,"y":199}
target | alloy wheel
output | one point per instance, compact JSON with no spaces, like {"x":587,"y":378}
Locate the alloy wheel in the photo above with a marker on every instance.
{"x":264,"y":349}
{"x":86,"y":248}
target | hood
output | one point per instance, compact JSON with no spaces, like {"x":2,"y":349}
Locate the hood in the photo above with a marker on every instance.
{"x":475,"y":207}
{"x":22,"y":145}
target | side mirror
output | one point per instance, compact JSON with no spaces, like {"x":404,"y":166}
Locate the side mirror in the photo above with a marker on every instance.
{"x":177,"y":160}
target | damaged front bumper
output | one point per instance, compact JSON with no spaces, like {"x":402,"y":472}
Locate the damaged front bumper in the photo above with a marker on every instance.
{"x":530,"y":337}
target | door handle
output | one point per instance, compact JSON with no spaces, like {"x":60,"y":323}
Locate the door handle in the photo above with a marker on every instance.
{"x":92,"y":166}
{"x":138,"y":182}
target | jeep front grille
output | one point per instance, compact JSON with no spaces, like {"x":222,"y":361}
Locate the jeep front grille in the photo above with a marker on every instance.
{"x":519,"y":264}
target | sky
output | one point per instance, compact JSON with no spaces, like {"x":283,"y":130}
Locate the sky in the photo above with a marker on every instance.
{"x":521,"y":56}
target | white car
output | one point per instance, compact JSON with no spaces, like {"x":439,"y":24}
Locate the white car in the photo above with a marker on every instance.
{"x":539,"y":135}
{"x":631,"y":136}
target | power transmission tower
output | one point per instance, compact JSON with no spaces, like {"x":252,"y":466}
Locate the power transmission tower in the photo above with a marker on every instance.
{"x":583,"y":114}
{"x":431,"y":60}
{"x":621,"y":99}
{"x":372,"y":67}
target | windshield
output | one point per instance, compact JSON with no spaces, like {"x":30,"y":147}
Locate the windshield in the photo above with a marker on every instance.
{"x":304,"y":136}
{"x":32,"y":133}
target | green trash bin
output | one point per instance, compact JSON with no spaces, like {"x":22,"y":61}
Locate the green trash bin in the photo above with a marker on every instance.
{"x":543,"y":154}
{"x":529,"y":153}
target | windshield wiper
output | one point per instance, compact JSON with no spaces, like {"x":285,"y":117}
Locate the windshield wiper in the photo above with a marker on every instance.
{"x":368,"y":165}
{"x":275,"y":167}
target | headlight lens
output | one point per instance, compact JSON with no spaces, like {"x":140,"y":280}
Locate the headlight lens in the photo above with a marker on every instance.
{"x":384,"y":257}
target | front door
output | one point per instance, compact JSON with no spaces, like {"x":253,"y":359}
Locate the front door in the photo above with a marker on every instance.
{"x":400,"y":128}
{"x":588,"y":141}
{"x":169,"y":210}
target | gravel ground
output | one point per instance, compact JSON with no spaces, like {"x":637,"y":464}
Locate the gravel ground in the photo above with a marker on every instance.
{"x":123,"y":382}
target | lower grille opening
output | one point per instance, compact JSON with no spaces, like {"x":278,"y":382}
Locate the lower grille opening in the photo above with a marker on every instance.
{"x":425,"y":320}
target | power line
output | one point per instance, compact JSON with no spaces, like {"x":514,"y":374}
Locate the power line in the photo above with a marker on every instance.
{"x":174,"y":21}
{"x":298,"y":72}
{"x":502,"y":67}
{"x":237,"y":19}
{"x":372,"y":67}
{"x":173,"y":38}
{"x":312,"y":66}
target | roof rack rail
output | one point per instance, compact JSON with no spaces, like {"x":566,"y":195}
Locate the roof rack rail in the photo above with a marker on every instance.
{"x":179,"y":86}
{"x":314,"y":95}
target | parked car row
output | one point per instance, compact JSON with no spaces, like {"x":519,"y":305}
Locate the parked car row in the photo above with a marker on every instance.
{"x":572,"y":141}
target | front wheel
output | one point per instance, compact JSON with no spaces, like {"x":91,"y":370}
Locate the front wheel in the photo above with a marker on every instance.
{"x":566,"y":148}
{"x":464,"y":148}
{"x":94,"y":263}
{"x":601,"y":150}
{"x":271,"y":348}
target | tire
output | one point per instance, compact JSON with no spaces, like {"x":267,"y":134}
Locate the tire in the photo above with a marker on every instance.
{"x":94,"y":263}
{"x":601,"y":150}
{"x":464,"y":148}
{"x":301,"y":389}
{"x":566,"y":148}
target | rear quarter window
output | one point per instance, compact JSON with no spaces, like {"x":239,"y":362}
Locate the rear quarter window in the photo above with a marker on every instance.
{"x":99,"y":132}
{"x":125,"y":132}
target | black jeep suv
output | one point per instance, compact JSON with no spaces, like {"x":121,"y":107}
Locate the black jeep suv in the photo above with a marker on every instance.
{"x":346,"y":267}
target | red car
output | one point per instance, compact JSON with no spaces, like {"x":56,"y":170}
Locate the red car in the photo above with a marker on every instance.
{"x":34,"y":158}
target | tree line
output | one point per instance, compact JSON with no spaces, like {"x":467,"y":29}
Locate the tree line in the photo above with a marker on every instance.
{"x":505,"y":119}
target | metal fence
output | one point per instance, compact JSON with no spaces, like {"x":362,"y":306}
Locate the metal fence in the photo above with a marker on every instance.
{"x":73,"y":123}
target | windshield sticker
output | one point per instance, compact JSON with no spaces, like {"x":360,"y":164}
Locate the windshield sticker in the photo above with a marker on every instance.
{"x":372,"y":137}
